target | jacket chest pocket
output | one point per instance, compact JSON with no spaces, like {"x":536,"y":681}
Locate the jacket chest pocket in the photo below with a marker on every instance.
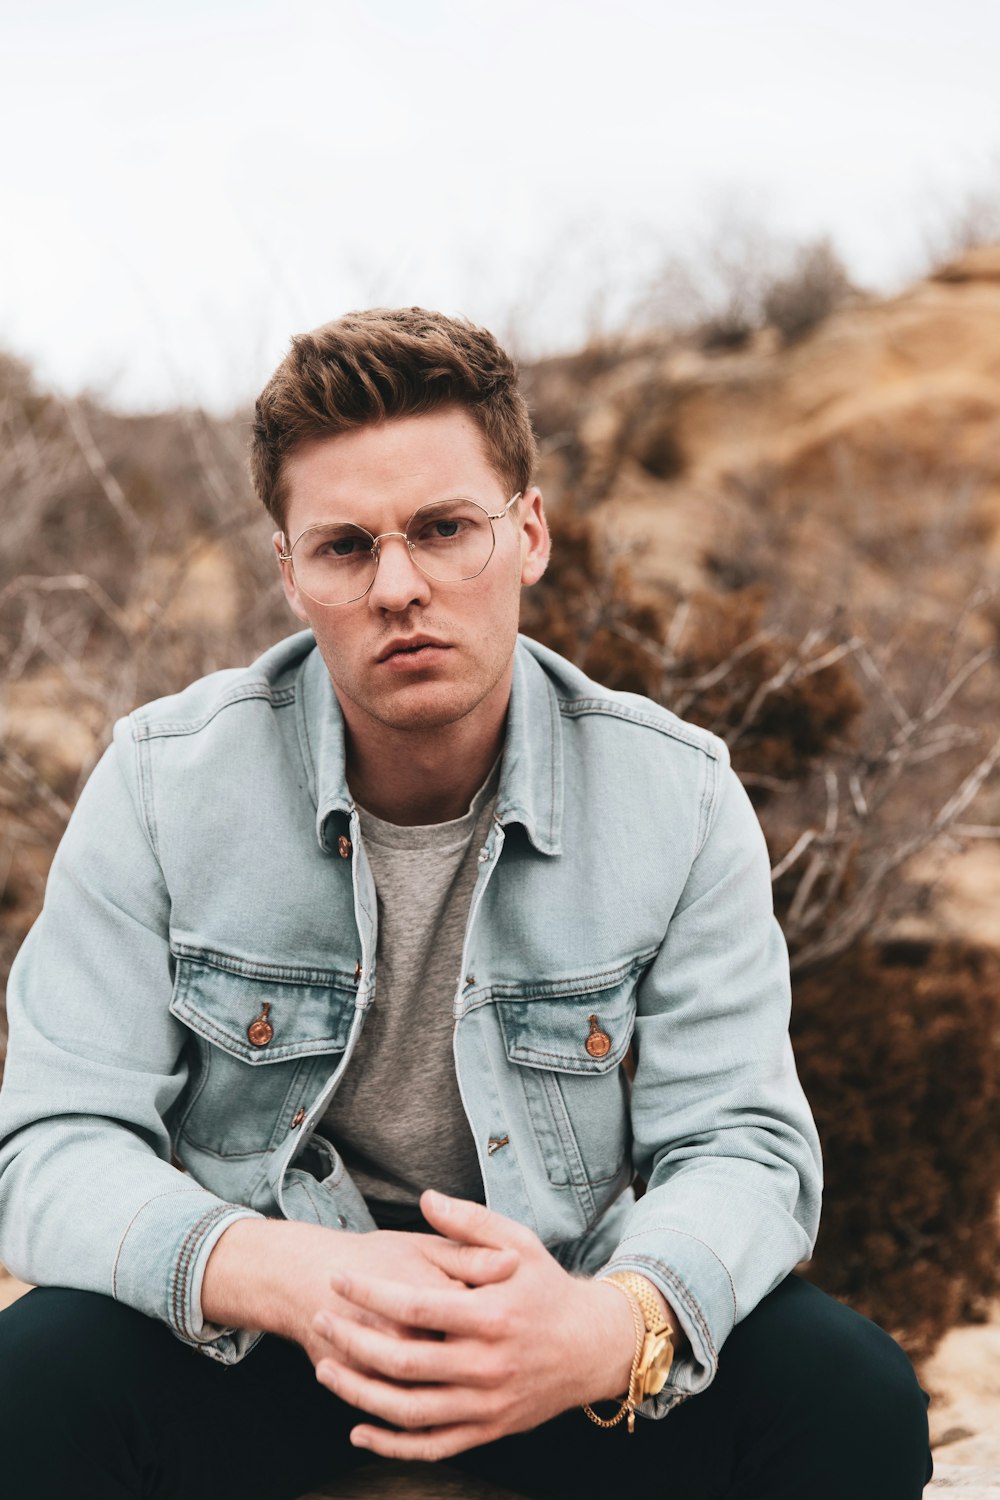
{"x":566,"y":1051}
{"x":262,"y":1039}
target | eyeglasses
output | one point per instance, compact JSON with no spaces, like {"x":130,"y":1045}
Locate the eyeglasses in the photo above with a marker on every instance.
{"x":450,"y":541}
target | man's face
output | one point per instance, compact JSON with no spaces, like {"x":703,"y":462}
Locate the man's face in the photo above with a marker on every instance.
{"x":377,"y":477}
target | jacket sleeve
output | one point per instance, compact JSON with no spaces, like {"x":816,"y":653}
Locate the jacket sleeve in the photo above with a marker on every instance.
{"x":722,"y":1132}
{"x":95,"y":1062}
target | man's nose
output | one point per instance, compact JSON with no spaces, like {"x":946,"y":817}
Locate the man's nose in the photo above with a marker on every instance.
{"x":398,"y":581}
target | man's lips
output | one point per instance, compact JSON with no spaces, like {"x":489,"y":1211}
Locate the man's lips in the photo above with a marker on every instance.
{"x":411,"y":646}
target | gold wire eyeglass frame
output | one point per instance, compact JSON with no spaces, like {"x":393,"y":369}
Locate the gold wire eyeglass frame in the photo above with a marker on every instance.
{"x":285,"y":555}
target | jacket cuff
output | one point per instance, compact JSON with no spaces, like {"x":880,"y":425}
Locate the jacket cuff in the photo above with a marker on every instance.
{"x":675,"y":1262}
{"x":160,"y":1267}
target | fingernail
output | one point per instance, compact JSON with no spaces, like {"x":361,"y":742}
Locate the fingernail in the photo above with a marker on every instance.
{"x":358,"y":1438}
{"x":323,"y":1323}
{"x":339,"y":1281}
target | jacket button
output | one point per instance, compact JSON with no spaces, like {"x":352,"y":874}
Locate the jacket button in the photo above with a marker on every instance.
{"x":297,"y":1118}
{"x":357,"y":971}
{"x":260,"y":1031}
{"x":341,"y":1220}
{"x":598,"y":1043}
{"x":344,"y":847}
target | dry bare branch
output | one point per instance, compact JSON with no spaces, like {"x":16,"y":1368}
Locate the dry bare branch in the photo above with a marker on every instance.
{"x":110,"y":487}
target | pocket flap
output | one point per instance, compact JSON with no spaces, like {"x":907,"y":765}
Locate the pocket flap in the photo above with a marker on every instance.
{"x":221,"y":1000}
{"x":572,"y":1032}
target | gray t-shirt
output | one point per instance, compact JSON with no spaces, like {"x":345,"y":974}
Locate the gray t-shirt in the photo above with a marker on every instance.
{"x":397,"y":1118}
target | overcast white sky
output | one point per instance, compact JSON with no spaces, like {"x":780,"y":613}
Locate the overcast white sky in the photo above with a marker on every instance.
{"x":184,"y":185}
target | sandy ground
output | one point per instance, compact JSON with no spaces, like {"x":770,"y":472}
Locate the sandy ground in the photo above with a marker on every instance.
{"x":963,"y":1379}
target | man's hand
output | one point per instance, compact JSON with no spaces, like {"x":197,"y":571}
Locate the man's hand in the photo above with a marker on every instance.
{"x":275,"y":1275}
{"x":497,"y":1355}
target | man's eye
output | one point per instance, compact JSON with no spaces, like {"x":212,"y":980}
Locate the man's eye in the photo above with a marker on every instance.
{"x":341,"y":546}
{"x":440,"y":529}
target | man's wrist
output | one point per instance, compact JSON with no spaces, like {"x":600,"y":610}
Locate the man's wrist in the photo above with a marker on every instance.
{"x":255,"y":1270}
{"x":668,"y":1315}
{"x":619,"y":1339}
{"x":652,"y":1350}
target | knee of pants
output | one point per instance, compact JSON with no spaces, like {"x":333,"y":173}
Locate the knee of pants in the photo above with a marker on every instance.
{"x":812,"y":1352}
{"x":59,"y":1350}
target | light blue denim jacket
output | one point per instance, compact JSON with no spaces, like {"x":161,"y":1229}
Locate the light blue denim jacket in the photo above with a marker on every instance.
{"x":214,"y":874}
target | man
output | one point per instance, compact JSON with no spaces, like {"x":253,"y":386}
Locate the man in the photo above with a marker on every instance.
{"x":384,"y":913}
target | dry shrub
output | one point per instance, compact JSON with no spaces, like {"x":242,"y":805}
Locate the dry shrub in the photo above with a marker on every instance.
{"x":743,"y":278}
{"x":815,"y":287}
{"x":586,"y":609}
{"x":782,"y":702}
{"x":898,"y":1052}
{"x":775,"y":720}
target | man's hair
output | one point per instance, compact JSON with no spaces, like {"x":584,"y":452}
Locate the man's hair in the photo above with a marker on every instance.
{"x":367,"y":367}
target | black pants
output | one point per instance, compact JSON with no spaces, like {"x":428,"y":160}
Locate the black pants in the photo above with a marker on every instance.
{"x":97,"y":1402}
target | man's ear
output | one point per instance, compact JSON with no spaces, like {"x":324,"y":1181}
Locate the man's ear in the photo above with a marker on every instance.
{"x":288,"y":579}
{"x":536,"y":544}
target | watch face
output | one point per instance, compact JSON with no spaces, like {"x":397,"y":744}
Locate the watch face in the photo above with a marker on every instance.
{"x":657,"y":1357}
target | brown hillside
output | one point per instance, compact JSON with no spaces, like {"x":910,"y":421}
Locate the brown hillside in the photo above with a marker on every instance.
{"x":856,"y":450}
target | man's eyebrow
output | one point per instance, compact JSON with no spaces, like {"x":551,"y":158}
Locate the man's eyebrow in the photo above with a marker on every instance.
{"x":334,"y":513}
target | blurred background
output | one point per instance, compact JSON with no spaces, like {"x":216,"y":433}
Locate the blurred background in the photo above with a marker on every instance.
{"x":749,"y":259}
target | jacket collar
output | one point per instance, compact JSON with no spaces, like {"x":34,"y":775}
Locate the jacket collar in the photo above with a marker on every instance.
{"x":531,"y":772}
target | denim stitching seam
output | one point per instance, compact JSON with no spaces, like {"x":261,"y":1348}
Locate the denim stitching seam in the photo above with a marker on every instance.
{"x":173,"y":1192}
{"x":570,"y":1144}
{"x":576,"y":984}
{"x":685,"y":734}
{"x":708,"y":804}
{"x":184,"y":1261}
{"x":248,"y":968}
{"x":554,"y":730}
{"x":672,"y":1279}
{"x":144,"y":776}
{"x":670,"y":1229}
{"x":167,"y":728}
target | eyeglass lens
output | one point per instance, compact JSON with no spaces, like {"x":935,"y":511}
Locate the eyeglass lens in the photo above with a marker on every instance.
{"x":449,"y":541}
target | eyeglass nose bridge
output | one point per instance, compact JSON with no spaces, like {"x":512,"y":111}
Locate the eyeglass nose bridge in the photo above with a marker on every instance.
{"x":377,"y":554}
{"x":384,"y":536}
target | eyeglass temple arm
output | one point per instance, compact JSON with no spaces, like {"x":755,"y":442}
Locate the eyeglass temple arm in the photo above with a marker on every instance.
{"x":501,"y":513}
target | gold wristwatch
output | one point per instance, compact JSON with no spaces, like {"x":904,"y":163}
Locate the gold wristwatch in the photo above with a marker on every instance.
{"x":654,"y":1347}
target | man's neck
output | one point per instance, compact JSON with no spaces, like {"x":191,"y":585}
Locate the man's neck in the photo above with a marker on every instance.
{"x":411,"y":776}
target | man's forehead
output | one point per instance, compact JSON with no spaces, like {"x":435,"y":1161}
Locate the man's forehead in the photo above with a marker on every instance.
{"x":401,"y":463}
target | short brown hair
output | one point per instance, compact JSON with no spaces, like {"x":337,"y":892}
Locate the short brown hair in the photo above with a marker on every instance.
{"x":367,"y":367}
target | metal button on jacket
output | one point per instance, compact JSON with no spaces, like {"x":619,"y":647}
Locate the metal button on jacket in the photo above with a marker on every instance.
{"x":260,"y":1031}
{"x":344,"y":846}
{"x":297,"y":1118}
{"x":598,"y":1043}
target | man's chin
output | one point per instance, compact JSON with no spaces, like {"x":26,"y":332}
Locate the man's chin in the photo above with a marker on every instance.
{"x":421,"y":707}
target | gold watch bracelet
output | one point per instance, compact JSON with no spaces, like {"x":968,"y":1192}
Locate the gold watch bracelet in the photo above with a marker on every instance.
{"x":627,"y":1407}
